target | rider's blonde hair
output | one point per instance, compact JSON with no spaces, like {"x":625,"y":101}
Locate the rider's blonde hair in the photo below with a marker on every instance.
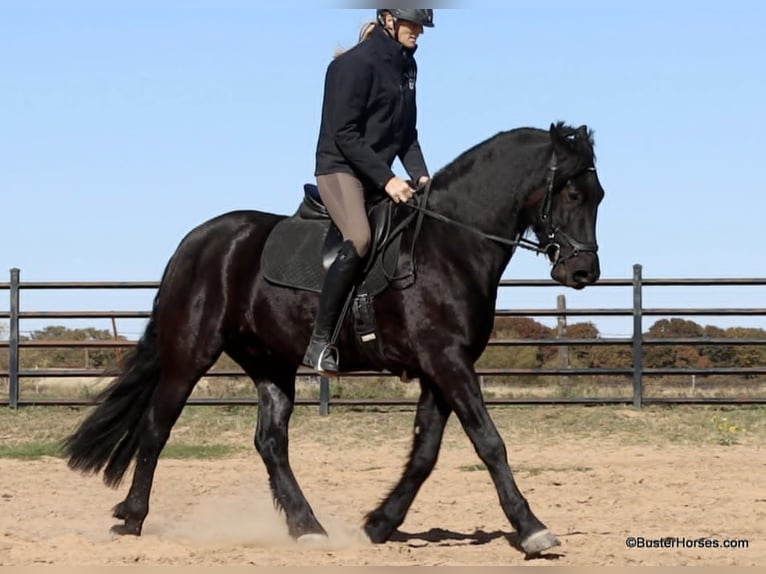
{"x":364,"y":32}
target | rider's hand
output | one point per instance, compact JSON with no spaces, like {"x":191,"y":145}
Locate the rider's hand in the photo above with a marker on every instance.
{"x":398,"y":189}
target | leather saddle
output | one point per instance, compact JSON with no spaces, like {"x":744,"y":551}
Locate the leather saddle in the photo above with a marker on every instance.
{"x":381,"y":214}
{"x":301,"y":248}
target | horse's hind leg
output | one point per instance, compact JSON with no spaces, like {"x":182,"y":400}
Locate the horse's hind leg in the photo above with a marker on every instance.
{"x":460,"y":386}
{"x":430,"y":420}
{"x":276,"y":399}
{"x":175,"y":385}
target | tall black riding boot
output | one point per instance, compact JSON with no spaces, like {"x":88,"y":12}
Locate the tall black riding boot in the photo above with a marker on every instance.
{"x":321,"y":355}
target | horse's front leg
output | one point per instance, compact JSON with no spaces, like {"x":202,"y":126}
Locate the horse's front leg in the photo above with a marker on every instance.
{"x":275,"y":406}
{"x":459,"y":384}
{"x":431,"y":417}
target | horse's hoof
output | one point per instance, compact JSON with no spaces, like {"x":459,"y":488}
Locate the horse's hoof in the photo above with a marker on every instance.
{"x":125,"y":530}
{"x":377,"y":529}
{"x":312,"y":538}
{"x":363,"y":538}
{"x":119,"y":511}
{"x":539,"y":542}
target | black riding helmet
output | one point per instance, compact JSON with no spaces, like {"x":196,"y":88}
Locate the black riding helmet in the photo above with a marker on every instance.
{"x":422,"y":16}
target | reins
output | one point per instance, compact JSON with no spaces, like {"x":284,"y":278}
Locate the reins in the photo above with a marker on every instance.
{"x":551,"y":249}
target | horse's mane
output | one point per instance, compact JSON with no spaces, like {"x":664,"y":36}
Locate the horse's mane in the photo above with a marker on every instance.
{"x":528,"y":141}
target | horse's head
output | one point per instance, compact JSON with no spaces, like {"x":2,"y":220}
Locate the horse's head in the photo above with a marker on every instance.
{"x":565,"y":224}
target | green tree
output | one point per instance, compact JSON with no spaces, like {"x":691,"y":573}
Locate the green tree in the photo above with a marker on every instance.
{"x":748,"y":355}
{"x":719,"y":355}
{"x":526,"y":357}
{"x":596,"y":356}
{"x":669,"y":356}
{"x":580,"y":356}
{"x":64,"y":357}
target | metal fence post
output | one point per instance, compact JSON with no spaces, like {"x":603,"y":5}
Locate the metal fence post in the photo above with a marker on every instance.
{"x":13,"y":341}
{"x":324,"y":396}
{"x":638,"y":356}
{"x":561,"y":333}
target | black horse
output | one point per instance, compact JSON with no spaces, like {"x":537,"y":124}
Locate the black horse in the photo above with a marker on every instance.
{"x":213,"y":298}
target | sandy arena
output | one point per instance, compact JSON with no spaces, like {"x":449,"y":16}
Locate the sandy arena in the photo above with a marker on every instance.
{"x":593,"y":493}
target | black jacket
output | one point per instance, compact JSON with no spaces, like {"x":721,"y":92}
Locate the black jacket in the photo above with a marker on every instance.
{"x":369,"y":115}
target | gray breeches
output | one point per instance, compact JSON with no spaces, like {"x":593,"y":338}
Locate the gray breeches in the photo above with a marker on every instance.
{"x":343,"y":196}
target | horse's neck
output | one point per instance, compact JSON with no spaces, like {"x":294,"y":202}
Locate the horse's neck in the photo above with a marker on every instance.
{"x":491,"y":204}
{"x":479,"y":259}
{"x":491,"y":198}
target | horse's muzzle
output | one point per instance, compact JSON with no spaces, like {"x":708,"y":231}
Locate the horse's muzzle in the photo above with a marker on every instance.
{"x":577,"y":272}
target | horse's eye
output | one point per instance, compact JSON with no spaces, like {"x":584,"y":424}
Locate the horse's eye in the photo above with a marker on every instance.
{"x":573,"y":194}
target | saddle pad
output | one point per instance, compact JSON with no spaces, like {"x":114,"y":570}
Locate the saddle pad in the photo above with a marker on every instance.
{"x":292,"y":257}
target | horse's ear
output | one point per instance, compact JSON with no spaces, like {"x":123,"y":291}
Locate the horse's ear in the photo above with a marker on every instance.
{"x":555,"y":134}
{"x":583,"y":131}
{"x":559,"y":140}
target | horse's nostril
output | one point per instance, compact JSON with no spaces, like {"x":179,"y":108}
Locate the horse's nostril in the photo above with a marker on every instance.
{"x":581,"y":277}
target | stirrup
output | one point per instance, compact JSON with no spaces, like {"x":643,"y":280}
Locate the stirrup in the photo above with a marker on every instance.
{"x":329,"y":352}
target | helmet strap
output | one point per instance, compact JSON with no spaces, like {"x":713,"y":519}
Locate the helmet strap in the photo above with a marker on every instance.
{"x":382,"y":23}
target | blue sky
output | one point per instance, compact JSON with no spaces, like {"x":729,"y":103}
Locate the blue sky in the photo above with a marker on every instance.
{"x":124,"y":124}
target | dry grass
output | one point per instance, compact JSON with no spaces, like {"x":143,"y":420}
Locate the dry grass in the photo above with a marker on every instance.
{"x":391,"y":388}
{"x":207,"y":432}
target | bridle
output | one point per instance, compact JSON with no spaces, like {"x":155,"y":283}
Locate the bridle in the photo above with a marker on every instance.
{"x":551,"y":249}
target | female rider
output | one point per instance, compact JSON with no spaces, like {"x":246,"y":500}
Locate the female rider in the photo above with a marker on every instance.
{"x":368,"y":119}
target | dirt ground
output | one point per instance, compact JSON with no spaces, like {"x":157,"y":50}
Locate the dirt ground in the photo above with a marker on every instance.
{"x":593,"y":493}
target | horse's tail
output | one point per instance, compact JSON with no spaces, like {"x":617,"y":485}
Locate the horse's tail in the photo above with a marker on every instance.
{"x":108,"y":437}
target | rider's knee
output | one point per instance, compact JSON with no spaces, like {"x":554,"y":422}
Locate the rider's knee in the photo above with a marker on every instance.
{"x":361,"y":241}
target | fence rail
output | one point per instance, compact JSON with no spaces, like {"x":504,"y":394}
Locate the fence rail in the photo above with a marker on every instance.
{"x":637,"y":342}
